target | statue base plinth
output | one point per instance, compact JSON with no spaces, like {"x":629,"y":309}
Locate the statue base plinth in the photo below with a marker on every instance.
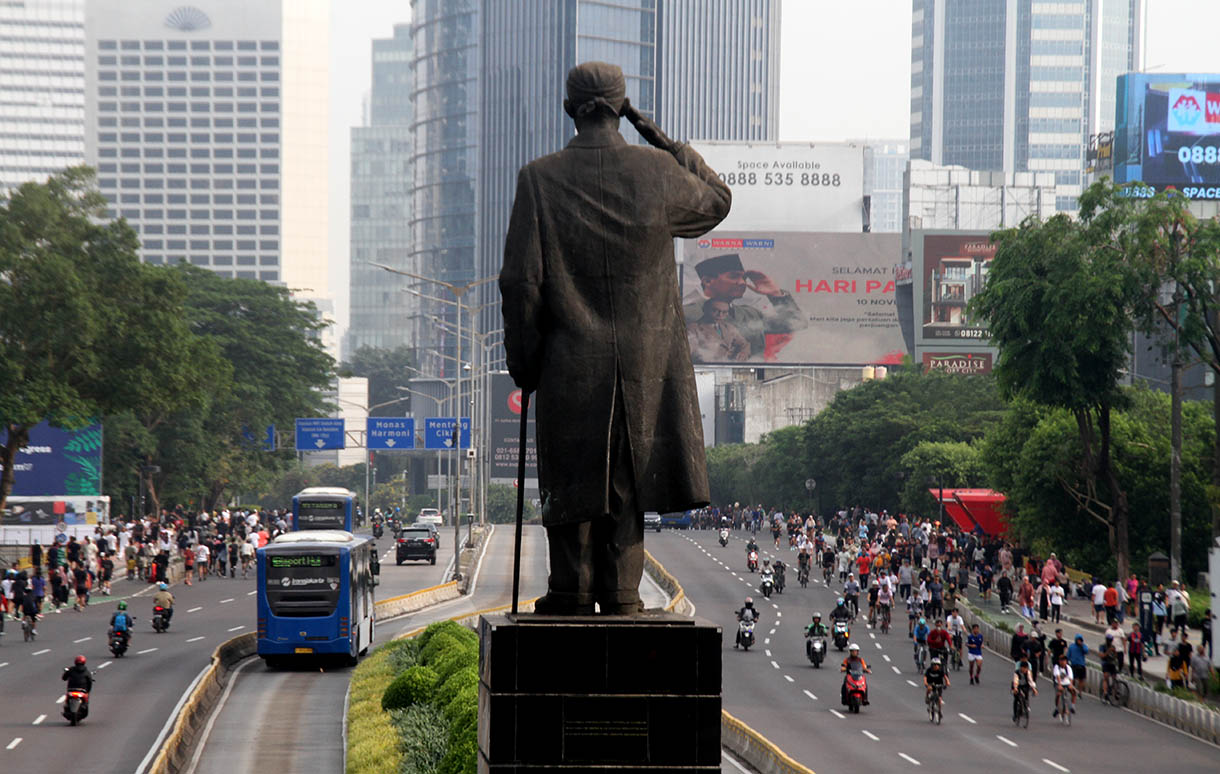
{"x":578,"y":693}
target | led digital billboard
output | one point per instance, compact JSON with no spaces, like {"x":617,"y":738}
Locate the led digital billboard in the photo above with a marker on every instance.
{"x":1167,"y":133}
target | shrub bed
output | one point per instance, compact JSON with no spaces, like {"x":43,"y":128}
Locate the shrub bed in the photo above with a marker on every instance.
{"x":418,"y":705}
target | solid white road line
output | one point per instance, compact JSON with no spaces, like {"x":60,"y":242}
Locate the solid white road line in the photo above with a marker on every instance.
{"x":1006,"y":740}
{"x":908,"y":758}
{"x":733,"y":761}
{"x":194,"y":609}
{"x":811,"y":696}
{"x":39,"y":719}
{"x":146,"y":650}
{"x":13,"y":743}
{"x":1054,"y":765}
{"x":837,"y":714}
{"x":775,"y":665}
{"x":207,"y":729}
{"x":195,"y":639}
{"x":237,"y":628}
{"x":169,"y":721}
{"x":40,"y":652}
{"x":967,"y":718}
{"x":789,"y":678}
{"x":104,"y":664}
{"x":82,"y":639}
{"x":870,"y":735}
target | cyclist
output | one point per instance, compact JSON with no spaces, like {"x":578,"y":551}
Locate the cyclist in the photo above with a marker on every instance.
{"x":938,"y":641}
{"x":1062,"y":674}
{"x":885,"y":598}
{"x":935,"y":675}
{"x":828,"y":561}
{"x":921,"y":635}
{"x":874,"y":592}
{"x":974,"y":654}
{"x":957,"y":629}
{"x":1023,"y":681}
{"x":247,"y":557}
{"x":914,"y":613}
{"x":851,"y":593}
{"x":1109,"y":666}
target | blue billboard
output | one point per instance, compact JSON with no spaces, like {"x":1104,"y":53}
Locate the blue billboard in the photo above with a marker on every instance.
{"x":319,"y":434}
{"x":1167,"y":133}
{"x":58,"y":462}
{"x":438,"y":433}
{"x":390,"y":434}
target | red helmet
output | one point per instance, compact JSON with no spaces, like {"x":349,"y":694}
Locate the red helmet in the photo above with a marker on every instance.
{"x":80,"y":660}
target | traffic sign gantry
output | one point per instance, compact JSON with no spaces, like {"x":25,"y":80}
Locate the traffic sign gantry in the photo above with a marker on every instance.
{"x":390,"y":433}
{"x":319,"y":434}
{"x":438,"y":433}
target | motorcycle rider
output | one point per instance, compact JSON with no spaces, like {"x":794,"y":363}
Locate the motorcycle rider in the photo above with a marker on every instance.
{"x":164,"y":600}
{"x":751,"y":546}
{"x":746,"y":613}
{"x":79,"y":678}
{"x":815,"y":629}
{"x":121,"y":622}
{"x":766,"y":575}
{"x":935,"y":675}
{"x":853,"y":658}
{"x":840,"y":613}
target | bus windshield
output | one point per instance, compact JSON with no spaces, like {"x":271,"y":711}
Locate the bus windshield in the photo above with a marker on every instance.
{"x":321,"y":514}
{"x":303,"y":584}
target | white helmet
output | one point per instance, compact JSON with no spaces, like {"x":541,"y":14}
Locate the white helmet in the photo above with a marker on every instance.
{"x":852,"y":647}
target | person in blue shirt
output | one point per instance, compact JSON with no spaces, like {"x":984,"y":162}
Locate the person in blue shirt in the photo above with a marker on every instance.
{"x":974,"y":654}
{"x":1076,"y":653}
{"x":921,"y":635}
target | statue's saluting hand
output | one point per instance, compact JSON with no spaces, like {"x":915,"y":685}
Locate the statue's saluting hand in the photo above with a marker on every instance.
{"x":647,"y":128}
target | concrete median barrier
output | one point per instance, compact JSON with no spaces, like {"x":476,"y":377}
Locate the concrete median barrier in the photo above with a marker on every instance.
{"x":755,"y":749}
{"x":416,"y":600}
{"x":678,"y":603}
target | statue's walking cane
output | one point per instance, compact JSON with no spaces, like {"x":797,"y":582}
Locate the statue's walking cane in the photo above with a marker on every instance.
{"x":525,"y":410}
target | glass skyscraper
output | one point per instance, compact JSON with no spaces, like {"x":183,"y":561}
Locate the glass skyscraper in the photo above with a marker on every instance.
{"x":381,"y":202}
{"x":1018,"y":85}
{"x":42,"y":89}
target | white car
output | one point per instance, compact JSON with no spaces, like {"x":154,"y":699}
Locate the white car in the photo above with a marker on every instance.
{"x":430,"y":516}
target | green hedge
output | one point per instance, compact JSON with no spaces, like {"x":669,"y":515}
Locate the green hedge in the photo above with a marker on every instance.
{"x":373,"y":743}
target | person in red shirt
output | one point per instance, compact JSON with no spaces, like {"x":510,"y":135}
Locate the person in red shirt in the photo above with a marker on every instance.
{"x":938,"y":640}
{"x":1111,"y":603}
{"x":864,"y":563}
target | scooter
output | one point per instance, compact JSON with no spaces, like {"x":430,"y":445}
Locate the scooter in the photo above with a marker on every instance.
{"x":841,"y":633}
{"x":815,"y":649}
{"x":752,"y":561}
{"x":724,"y":537}
{"x":118,"y":643}
{"x":747,"y":634}
{"x":159,"y":622}
{"x":767,"y":585}
{"x":856,"y":688}
{"x":76,"y":706}
{"x":378,"y":530}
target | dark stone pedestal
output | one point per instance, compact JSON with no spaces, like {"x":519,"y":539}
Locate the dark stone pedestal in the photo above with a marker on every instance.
{"x":576,"y":693}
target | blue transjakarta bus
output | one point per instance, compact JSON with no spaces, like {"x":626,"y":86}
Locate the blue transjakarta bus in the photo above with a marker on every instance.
{"x":315,"y":595}
{"x":323,"y":507}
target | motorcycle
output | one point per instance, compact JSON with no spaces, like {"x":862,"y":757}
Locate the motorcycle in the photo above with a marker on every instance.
{"x":841,"y":633}
{"x":746,"y":633}
{"x":752,"y":561}
{"x":724,"y":537}
{"x":378,"y":530}
{"x":815,"y":650}
{"x":159,"y":622}
{"x":767,"y":585}
{"x":118,"y":643}
{"x":76,"y":706}
{"x":856,"y":686}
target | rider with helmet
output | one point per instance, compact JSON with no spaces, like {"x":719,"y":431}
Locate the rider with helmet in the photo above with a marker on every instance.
{"x":121,"y":622}
{"x":746,"y":613}
{"x":935,"y":675}
{"x":815,"y":629}
{"x":841,"y":611}
{"x":165,"y":600}
{"x":853,"y":658}
{"x":78,"y":676}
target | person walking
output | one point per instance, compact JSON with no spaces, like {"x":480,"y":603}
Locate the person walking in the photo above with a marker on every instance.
{"x":1135,"y":651}
{"x":1056,"y":598}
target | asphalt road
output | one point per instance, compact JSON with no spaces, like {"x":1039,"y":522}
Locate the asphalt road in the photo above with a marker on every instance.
{"x":133,"y":696}
{"x":775,"y":689}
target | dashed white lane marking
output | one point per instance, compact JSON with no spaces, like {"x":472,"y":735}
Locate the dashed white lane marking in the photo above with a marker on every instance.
{"x":223,"y":601}
{"x":13,"y":743}
{"x":811,"y":696}
{"x":194,"y":610}
{"x":778,"y":613}
{"x":251,"y":593}
{"x":909,"y":759}
{"x":837,"y":714}
{"x":1053,"y":765}
{"x":878,"y":644}
{"x":775,"y":665}
{"x":38,"y":720}
{"x":887,"y":658}
{"x":237,"y":628}
{"x":872,"y":636}
{"x":789,"y":678}
{"x":767,"y":641}
{"x":40,"y":652}
{"x":775,"y":606}
{"x":897,"y":671}
{"x":146,"y":650}
{"x":3,"y":664}
{"x":870,"y":735}
{"x":967,"y":718}
{"x":104,"y":664}
{"x":82,"y":639}
{"x":195,"y":639}
{"x":771,"y":632}
{"x":768,"y":652}
{"x":60,"y":700}
{"x":1006,"y":740}
{"x":911,"y":683}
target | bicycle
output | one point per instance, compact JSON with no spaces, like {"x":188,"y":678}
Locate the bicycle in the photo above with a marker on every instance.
{"x":1063,"y":704}
{"x":802,"y":575}
{"x":921,"y":656}
{"x":27,"y":628}
{"x":1117,"y":694}
{"x":1021,"y":714}
{"x":935,"y":711}
{"x":885,"y":619}
{"x":955,"y":653}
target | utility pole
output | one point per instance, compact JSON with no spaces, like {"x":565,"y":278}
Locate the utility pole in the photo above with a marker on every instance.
{"x":1175,"y":454}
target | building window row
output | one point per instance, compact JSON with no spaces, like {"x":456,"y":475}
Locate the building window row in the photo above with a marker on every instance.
{"x":224,"y":92}
{"x":177,"y":122}
{"x":180,"y":76}
{"x":195,"y":45}
{"x":110,"y":60}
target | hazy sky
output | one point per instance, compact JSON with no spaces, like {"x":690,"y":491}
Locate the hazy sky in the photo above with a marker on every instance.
{"x":845,"y":72}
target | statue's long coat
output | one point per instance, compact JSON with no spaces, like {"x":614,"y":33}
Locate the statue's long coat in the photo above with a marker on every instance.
{"x":591,"y":306}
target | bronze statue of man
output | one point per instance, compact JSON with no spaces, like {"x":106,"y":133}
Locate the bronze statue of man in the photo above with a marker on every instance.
{"x":594,"y":326}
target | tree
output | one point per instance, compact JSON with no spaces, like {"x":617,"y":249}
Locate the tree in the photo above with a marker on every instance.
{"x":948,"y":463}
{"x":385,"y":369}
{"x":502,"y":505}
{"x":1058,"y":301}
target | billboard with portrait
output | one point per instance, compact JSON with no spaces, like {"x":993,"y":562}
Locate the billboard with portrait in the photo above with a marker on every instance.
{"x":790,"y":186}
{"x":951,"y":268}
{"x":1167,"y":133}
{"x":791,"y":298}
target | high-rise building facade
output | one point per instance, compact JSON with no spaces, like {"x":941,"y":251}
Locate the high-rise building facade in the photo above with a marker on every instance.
{"x":208,"y":126}
{"x":1018,"y":85}
{"x":885,"y":161}
{"x":381,"y":190}
{"x":42,"y":89}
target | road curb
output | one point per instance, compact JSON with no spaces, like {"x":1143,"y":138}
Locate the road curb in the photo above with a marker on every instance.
{"x":678,"y":602}
{"x":755,"y":749}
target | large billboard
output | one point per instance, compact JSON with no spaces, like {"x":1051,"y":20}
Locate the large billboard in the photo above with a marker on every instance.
{"x":505,"y":450}
{"x":791,"y":298}
{"x":1167,"y":133}
{"x":790,"y":186}
{"x":951,"y":268}
{"x":58,"y":462}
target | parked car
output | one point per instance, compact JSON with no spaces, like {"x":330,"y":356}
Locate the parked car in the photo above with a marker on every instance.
{"x":415,"y":544}
{"x":652,"y":520}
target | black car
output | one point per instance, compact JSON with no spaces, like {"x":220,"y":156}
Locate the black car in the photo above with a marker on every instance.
{"x":652,"y":520}
{"x":415,"y":544}
{"x":435,"y":530}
